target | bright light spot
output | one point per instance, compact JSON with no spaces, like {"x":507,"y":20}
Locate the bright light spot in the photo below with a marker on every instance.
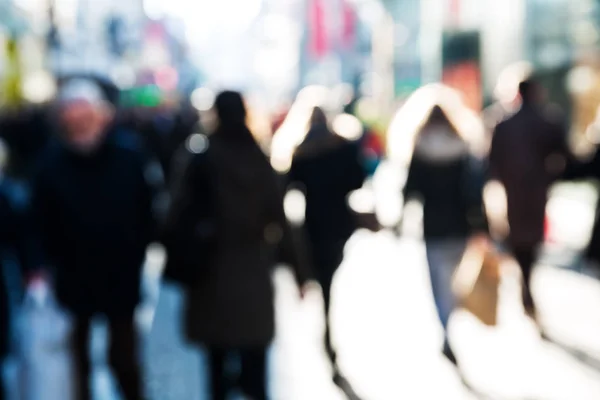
{"x":154,"y":9}
{"x":203,"y":99}
{"x":347,"y":126}
{"x":295,"y":206}
{"x":362,"y":201}
{"x":213,"y":16}
{"x":197,"y":143}
{"x":39,"y":87}
{"x":581,"y":80}
{"x":507,"y":88}
{"x":123,"y":76}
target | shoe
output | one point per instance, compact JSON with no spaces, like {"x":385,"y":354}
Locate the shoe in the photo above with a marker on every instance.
{"x":340,"y":381}
{"x":449,"y":354}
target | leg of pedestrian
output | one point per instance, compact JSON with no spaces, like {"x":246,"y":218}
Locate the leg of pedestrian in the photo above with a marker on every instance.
{"x":123,"y":355}
{"x":219,"y":386}
{"x":525,"y":257}
{"x":326,"y":283}
{"x":443,"y":258}
{"x":253,"y":379}
{"x":80,"y":348}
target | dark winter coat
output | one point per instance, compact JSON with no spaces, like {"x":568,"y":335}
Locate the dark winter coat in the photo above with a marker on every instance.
{"x":327,"y":168}
{"x":450,"y":186}
{"x":15,"y":239}
{"x":527,"y":151}
{"x":590,"y":169}
{"x":97,"y":215}
{"x":232,"y":304}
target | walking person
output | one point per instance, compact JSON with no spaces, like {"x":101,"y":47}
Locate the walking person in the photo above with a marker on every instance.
{"x":96,"y":199}
{"x":528,"y":153}
{"x":14,"y":239}
{"x":327,"y":168}
{"x":231,"y":202}
{"x":448,"y":180}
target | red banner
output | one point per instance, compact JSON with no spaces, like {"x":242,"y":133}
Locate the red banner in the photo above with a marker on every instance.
{"x":318,"y":41}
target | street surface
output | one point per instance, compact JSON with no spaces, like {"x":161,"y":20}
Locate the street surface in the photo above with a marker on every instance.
{"x":386,"y":328}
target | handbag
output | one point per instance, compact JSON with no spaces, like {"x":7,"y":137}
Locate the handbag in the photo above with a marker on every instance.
{"x":476,"y":281}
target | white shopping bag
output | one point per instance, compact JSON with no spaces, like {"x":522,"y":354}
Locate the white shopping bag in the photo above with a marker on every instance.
{"x":45,"y":365}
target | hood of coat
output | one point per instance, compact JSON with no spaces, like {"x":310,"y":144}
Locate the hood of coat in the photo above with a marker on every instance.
{"x":440,"y":144}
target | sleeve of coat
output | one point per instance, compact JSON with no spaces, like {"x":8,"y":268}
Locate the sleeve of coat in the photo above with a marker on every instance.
{"x":292,"y":248}
{"x":40,"y":220}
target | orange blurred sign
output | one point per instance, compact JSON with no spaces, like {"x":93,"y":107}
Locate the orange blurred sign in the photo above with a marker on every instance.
{"x":465,"y":77}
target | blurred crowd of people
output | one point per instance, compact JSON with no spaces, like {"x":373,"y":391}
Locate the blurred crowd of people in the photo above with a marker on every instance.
{"x":104,"y":184}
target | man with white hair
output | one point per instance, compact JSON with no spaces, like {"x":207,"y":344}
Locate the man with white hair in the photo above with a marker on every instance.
{"x":96,"y":200}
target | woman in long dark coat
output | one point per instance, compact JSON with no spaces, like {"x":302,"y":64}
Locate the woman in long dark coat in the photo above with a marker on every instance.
{"x":230,"y":305}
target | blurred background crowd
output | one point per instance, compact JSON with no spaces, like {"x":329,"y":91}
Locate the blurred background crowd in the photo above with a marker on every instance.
{"x":430,"y":164}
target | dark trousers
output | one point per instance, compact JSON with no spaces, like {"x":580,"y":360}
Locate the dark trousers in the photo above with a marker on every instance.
{"x":327,"y":262}
{"x":123,"y":357}
{"x":526,"y":257}
{"x":253,"y":375}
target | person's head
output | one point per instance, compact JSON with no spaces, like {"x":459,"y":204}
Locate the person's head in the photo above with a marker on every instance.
{"x":438,"y":117}
{"x":530,"y":91}
{"x":317,"y":118}
{"x":230,"y":109}
{"x":84,"y":114}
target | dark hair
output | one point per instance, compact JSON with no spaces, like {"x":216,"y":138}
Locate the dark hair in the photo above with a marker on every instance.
{"x":231,"y":111}
{"x":318,"y":117}
{"x":438,"y":116}
{"x":528,"y":90}
{"x":230,"y":108}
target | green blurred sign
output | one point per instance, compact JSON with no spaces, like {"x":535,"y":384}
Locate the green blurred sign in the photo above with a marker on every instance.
{"x":144,"y":96}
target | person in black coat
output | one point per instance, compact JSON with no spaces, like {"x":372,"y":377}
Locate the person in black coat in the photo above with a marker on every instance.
{"x":327,"y":168}
{"x":14,"y":239}
{"x":448,"y":180}
{"x":96,"y":199}
{"x":230,"y":185}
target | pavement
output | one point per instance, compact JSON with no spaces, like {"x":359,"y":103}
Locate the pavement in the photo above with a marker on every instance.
{"x":388,"y":336}
{"x":387,"y":333}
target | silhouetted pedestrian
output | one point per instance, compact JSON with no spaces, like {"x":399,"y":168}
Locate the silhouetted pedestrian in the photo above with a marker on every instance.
{"x":327,"y":168}
{"x":527,"y":154}
{"x":231,"y":203}
{"x":96,"y":198}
